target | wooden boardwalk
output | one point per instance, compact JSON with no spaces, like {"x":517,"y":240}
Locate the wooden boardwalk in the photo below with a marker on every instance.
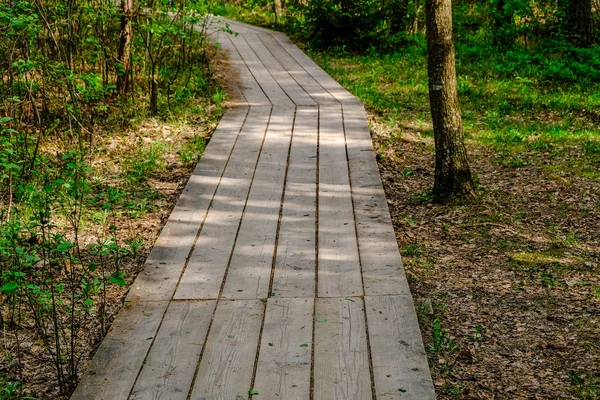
{"x":278,"y":272}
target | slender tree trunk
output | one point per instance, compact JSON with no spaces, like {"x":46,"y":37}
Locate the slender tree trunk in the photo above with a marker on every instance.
{"x":124,"y":55}
{"x":452,"y":173}
{"x":581,"y":23}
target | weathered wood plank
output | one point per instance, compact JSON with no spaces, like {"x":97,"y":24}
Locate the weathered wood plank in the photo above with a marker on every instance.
{"x":227,"y":365}
{"x":249,"y":273}
{"x":326,"y":81}
{"x":115,"y":365}
{"x":248,"y":86}
{"x":163,"y":267}
{"x":171,"y":362}
{"x":382,"y":268}
{"x":304,"y":79}
{"x":268,"y":84}
{"x":294,"y":274}
{"x":339,"y":267}
{"x":243,"y":25}
{"x":341,"y":358}
{"x":204,"y":273}
{"x":279,"y":73}
{"x":399,"y":360}
{"x":284,"y":361}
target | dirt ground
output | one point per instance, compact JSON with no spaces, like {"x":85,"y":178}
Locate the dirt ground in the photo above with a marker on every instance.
{"x":512,"y":279}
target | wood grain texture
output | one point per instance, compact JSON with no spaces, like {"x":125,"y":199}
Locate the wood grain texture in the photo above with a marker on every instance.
{"x":227,"y":365}
{"x":284,"y":361}
{"x":171,"y":362}
{"x":399,"y":359}
{"x":115,"y":366}
{"x":249,"y":273}
{"x":269,"y":85}
{"x":328,"y":83}
{"x":289,"y":85}
{"x":248,"y":86}
{"x":382,"y":268}
{"x":203,"y":276}
{"x":163,"y":267}
{"x":295,"y":262}
{"x":304,"y":79}
{"x":339,"y":267}
{"x":341,"y":354}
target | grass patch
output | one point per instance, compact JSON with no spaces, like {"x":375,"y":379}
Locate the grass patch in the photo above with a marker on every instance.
{"x":526,"y":119}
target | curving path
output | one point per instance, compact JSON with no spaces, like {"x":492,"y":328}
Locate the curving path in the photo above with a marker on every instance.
{"x":278,"y":272}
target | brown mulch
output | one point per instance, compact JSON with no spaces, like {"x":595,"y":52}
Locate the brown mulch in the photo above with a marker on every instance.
{"x":521,"y":263}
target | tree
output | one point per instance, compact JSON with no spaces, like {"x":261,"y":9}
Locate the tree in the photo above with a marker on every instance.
{"x":581,"y":22}
{"x":126,"y":37}
{"x":452,"y":172}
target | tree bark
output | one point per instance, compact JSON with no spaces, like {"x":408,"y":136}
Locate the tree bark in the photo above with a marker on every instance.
{"x":126,"y":37}
{"x":452,"y":172}
{"x":581,"y":23}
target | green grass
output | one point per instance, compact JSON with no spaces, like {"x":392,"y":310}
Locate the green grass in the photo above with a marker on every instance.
{"x":516,"y":115}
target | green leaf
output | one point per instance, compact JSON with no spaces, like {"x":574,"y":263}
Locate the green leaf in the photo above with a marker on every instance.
{"x":402,"y":390}
{"x":88,"y":302}
{"x":253,"y":392}
{"x":321,"y":319}
{"x":304,"y":345}
{"x":9,"y":287}
{"x":4,"y":120}
{"x":118,"y":280}
{"x":270,"y":344}
{"x":230,"y":336}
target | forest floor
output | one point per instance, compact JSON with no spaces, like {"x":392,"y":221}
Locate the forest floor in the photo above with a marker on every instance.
{"x":513,"y":279}
{"x":507,"y":289}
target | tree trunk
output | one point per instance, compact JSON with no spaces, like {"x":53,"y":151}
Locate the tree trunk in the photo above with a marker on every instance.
{"x":124,"y":56}
{"x":452,"y":173}
{"x":581,"y":21}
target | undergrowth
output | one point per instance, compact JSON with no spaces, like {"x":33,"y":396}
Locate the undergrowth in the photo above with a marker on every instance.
{"x":82,"y":163}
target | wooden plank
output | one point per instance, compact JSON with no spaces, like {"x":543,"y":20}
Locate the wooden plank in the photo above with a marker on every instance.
{"x":243,"y":25}
{"x":116,"y":364}
{"x":171,"y":362}
{"x":248,"y":86}
{"x":268,"y":84}
{"x":163,"y":267}
{"x":294,"y":274}
{"x":278,"y":72}
{"x":206,"y":267}
{"x":304,"y":79}
{"x":237,"y":27}
{"x":382,"y":268}
{"x":341,"y":358}
{"x":399,"y":359}
{"x":328,"y":83}
{"x":236,"y":96}
{"x":339,"y":267}
{"x":249,"y":273}
{"x":227,"y":365}
{"x":284,"y":361}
